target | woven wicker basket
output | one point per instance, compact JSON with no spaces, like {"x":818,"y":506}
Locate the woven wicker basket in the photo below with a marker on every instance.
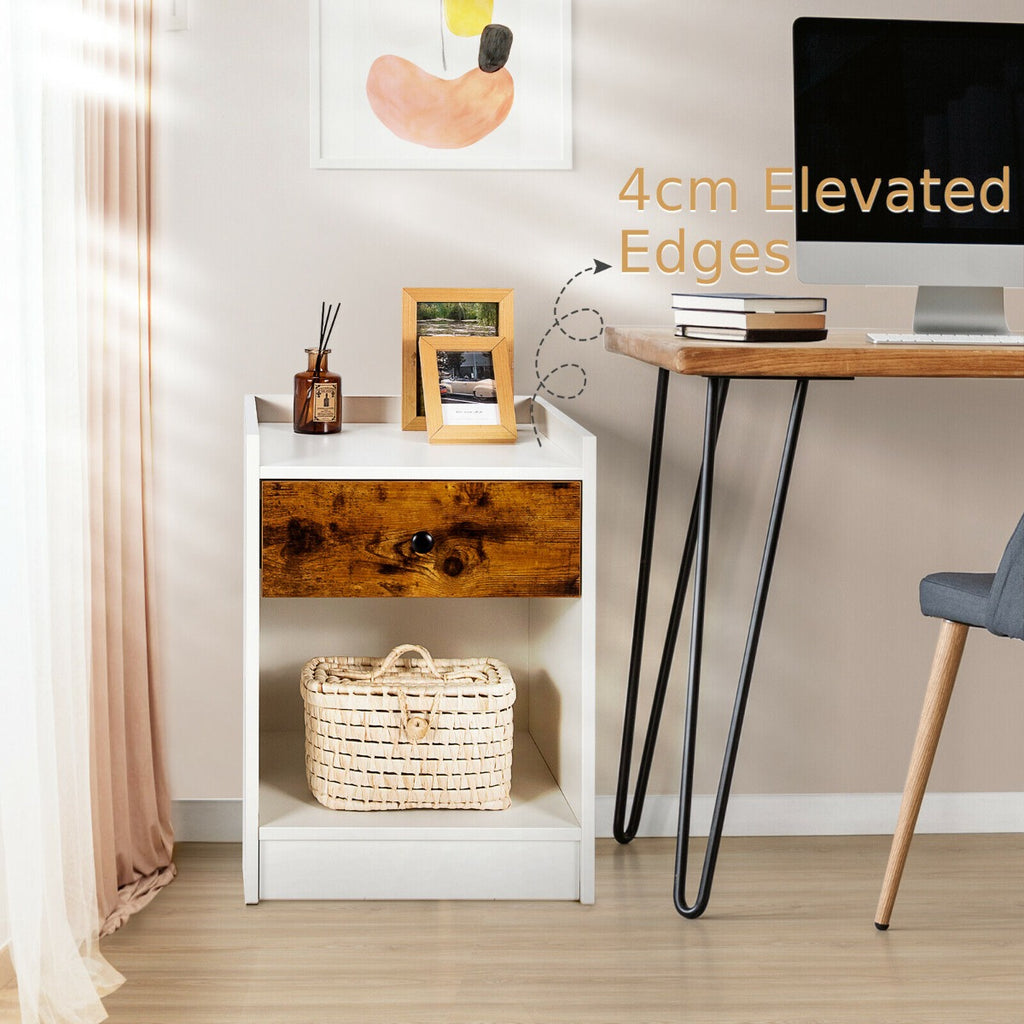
{"x":394,"y":733}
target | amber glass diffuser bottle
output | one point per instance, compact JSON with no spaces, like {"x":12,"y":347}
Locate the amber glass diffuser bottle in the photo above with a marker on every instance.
{"x":317,"y":404}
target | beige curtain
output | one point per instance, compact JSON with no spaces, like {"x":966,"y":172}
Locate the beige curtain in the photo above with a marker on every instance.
{"x":131,"y":808}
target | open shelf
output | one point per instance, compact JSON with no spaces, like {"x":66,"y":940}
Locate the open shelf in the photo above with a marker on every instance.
{"x":539,"y":811}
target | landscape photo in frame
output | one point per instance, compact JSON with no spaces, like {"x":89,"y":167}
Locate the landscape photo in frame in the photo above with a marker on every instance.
{"x":453,"y":313}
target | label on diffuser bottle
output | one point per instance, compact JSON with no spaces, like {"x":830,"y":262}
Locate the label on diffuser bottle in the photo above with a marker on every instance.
{"x":325,"y":403}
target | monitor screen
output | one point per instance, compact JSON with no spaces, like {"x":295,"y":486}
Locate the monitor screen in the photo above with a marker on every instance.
{"x":909,"y":152}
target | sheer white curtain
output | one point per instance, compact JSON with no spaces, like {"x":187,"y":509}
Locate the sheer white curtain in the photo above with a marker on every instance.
{"x":48,"y":898}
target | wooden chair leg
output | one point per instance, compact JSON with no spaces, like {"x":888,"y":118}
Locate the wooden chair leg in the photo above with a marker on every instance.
{"x":948,"y":651}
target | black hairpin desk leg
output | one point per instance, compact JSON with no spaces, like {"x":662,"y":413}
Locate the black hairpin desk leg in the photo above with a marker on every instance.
{"x":696,"y":543}
{"x":696,"y":643}
{"x":624,"y":832}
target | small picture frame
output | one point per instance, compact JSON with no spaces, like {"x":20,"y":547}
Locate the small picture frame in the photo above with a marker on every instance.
{"x":467,"y":390}
{"x":448,"y":312}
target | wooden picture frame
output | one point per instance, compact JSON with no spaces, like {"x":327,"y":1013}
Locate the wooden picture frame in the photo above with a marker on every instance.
{"x":467,"y":390}
{"x":419,"y":301}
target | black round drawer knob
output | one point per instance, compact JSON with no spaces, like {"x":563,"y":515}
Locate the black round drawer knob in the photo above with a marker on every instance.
{"x":422,"y":542}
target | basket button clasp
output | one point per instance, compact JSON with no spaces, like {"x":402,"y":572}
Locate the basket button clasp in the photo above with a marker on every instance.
{"x":416,"y":727}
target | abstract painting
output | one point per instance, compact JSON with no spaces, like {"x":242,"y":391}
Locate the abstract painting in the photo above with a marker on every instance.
{"x":440,"y":84}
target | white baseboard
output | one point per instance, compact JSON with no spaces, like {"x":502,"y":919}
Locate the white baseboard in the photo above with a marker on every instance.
{"x":6,"y":965}
{"x":207,"y":821}
{"x":787,"y":814}
{"x":827,"y":814}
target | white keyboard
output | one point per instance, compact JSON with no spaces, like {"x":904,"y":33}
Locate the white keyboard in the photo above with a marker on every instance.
{"x":945,"y":339}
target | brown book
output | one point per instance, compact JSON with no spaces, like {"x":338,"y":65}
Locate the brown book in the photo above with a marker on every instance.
{"x":750,"y":321}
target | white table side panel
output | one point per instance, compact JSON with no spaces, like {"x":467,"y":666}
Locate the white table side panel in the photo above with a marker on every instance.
{"x":588,"y":669}
{"x":250,"y":657}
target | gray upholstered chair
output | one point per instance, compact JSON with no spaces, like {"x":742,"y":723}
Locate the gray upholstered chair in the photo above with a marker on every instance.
{"x":992,"y":601}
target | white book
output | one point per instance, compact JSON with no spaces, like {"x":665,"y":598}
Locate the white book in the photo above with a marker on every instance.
{"x":749,"y":302}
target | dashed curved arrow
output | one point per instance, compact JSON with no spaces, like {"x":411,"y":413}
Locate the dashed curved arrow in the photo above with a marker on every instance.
{"x":576,"y":382}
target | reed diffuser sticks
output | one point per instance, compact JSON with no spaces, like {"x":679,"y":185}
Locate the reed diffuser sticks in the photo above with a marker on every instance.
{"x":326,"y":327}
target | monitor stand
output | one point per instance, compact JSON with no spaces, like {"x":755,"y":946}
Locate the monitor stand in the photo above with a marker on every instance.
{"x":959,"y":310}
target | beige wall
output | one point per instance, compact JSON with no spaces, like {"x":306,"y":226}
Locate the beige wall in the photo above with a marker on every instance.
{"x":893,"y":480}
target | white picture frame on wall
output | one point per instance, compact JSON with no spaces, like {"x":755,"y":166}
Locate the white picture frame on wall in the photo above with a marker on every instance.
{"x":393,"y":86}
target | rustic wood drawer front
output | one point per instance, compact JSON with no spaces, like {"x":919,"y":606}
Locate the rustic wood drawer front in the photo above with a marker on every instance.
{"x":420,"y":538}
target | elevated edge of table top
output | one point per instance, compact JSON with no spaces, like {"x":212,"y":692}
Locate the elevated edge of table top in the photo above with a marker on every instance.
{"x":844,"y":353}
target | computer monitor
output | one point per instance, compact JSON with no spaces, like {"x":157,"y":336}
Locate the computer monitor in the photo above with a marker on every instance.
{"x":909,"y":162}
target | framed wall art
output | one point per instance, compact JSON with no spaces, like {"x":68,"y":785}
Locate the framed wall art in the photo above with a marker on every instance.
{"x":452,"y":313}
{"x":467,"y":389}
{"x":440,"y":84}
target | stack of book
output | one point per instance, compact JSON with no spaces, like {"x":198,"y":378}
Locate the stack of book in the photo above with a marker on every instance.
{"x":730,"y":316}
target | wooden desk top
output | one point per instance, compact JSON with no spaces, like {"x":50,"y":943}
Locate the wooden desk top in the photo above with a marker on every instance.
{"x":843,"y":353}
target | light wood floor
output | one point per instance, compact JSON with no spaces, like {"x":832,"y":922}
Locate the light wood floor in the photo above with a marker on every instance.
{"x":788,"y":939}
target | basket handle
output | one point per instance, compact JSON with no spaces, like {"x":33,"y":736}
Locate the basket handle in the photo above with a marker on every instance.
{"x":401,"y":649}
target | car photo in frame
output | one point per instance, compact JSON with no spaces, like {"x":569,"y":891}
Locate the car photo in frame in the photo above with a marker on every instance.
{"x":467,"y":390}
{"x":447,"y":312}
